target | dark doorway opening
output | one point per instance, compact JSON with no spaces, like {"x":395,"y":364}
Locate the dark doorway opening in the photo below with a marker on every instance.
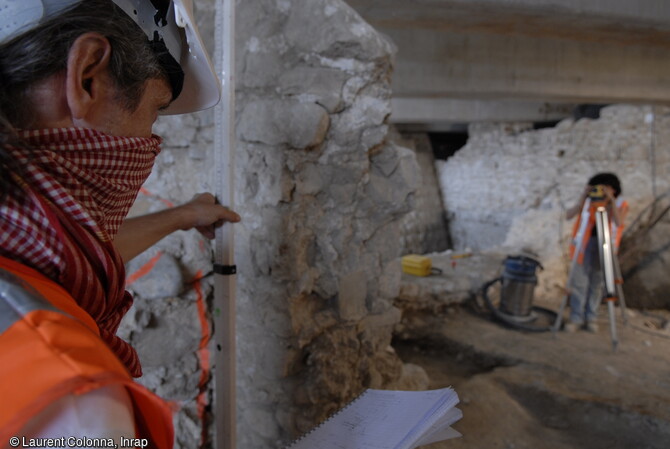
{"x":445,"y":144}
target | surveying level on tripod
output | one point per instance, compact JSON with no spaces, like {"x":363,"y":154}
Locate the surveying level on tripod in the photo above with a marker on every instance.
{"x":597,"y":193}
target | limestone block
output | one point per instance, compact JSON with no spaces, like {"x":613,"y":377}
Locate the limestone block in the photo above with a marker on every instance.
{"x":309,"y":181}
{"x":134,"y":321}
{"x":188,"y":428}
{"x":335,"y":31}
{"x":162,"y":276}
{"x":171,"y":336}
{"x":351,"y":296}
{"x":321,"y":85}
{"x":360,"y":124}
{"x":261,"y":178}
{"x":372,"y":323}
{"x":284,"y":122}
{"x":371,"y":137}
{"x":343,"y":194}
{"x":386,"y":162}
{"x":264,"y":422}
{"x":394,"y":176}
{"x":378,"y":243}
{"x":177,"y":130}
{"x":177,"y":381}
{"x":261,"y":68}
{"x":389,"y":281}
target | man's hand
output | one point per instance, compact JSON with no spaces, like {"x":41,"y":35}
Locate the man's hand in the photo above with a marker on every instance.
{"x":205,"y":214}
{"x":574,"y":210}
{"x":202,"y":213}
{"x":613,"y":211}
{"x":609,"y":194}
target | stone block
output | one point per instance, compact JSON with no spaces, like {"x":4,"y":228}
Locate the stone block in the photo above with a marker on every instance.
{"x":351,"y":296}
{"x":373,"y":323}
{"x":187,"y":126}
{"x":284,"y":122}
{"x":158,"y":275}
{"x":309,"y":181}
{"x":393,"y":178}
{"x":322,"y":85}
{"x":335,"y":30}
{"x":173,"y":335}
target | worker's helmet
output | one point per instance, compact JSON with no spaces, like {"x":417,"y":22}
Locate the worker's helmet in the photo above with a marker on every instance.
{"x":165,"y":22}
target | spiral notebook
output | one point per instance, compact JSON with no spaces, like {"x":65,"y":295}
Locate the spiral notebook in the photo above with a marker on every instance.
{"x":385,"y":419}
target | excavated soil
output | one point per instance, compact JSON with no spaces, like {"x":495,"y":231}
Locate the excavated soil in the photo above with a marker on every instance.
{"x":540,"y":390}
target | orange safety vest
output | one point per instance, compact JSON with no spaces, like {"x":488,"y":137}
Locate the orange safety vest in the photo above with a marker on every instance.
{"x":583,"y":227}
{"x":50,"y":347}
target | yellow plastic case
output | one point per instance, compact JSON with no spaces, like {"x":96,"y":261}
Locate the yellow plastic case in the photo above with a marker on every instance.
{"x":416,"y":265}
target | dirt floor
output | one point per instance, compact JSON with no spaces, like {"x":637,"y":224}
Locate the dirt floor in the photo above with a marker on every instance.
{"x":544,"y":390}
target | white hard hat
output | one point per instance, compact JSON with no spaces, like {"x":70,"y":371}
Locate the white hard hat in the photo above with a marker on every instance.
{"x":170,"y":21}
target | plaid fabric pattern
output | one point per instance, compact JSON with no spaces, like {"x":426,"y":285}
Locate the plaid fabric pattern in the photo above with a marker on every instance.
{"x":78,"y":186}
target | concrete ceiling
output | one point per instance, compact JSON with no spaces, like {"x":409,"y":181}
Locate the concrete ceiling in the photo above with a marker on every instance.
{"x":468,"y":60}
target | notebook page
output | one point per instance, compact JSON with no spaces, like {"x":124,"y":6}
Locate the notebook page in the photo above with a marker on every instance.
{"x":378,"y":419}
{"x":443,"y":434}
{"x":441,"y":430}
{"x":429,"y":420}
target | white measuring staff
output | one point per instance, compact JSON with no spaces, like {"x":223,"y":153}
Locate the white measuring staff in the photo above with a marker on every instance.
{"x":225,"y":418}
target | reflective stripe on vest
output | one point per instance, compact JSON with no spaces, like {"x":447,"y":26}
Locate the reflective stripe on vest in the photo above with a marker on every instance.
{"x":17,"y":299}
{"x":585,"y":223}
{"x":50,"y":348}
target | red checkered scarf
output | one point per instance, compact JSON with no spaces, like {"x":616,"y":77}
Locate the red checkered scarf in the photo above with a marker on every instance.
{"x":78,"y":185}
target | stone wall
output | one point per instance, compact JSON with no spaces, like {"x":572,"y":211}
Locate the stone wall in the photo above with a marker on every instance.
{"x":425,"y":227}
{"x":509,"y":187}
{"x":322,"y":193}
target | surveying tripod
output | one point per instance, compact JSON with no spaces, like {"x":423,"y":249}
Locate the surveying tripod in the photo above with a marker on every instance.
{"x":609,"y":265}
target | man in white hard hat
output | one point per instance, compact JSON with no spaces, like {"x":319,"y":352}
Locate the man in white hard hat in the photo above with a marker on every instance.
{"x":82,"y":83}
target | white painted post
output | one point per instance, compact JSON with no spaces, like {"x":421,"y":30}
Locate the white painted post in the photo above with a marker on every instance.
{"x":225,"y":415}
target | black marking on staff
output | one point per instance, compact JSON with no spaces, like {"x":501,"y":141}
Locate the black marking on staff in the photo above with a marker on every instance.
{"x":226,"y":270}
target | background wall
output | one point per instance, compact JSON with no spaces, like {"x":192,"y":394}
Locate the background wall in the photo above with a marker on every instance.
{"x":425,"y":227}
{"x":510,"y":185}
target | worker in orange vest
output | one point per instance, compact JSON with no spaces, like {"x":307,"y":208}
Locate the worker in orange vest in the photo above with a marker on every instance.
{"x":82,"y":83}
{"x":586,"y":279}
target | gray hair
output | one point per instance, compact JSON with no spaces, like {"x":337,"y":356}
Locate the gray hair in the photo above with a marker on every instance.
{"x":42,"y":52}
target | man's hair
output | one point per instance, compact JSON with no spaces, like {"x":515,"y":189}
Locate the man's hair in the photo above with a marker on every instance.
{"x":608,"y":179}
{"x":43,"y":51}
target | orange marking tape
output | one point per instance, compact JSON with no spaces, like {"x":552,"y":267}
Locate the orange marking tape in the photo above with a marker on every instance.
{"x":168,"y":203}
{"x":144,"y":269}
{"x":203,"y":354}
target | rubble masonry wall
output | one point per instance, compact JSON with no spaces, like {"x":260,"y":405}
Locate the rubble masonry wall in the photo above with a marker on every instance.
{"x":509,"y":187}
{"x":322,"y":193}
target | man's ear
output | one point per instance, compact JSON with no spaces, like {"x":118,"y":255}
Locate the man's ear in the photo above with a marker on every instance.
{"x":87,"y":75}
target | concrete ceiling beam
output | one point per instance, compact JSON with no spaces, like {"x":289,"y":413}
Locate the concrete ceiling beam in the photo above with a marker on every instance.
{"x":533,"y":51}
{"x":445,"y":111}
